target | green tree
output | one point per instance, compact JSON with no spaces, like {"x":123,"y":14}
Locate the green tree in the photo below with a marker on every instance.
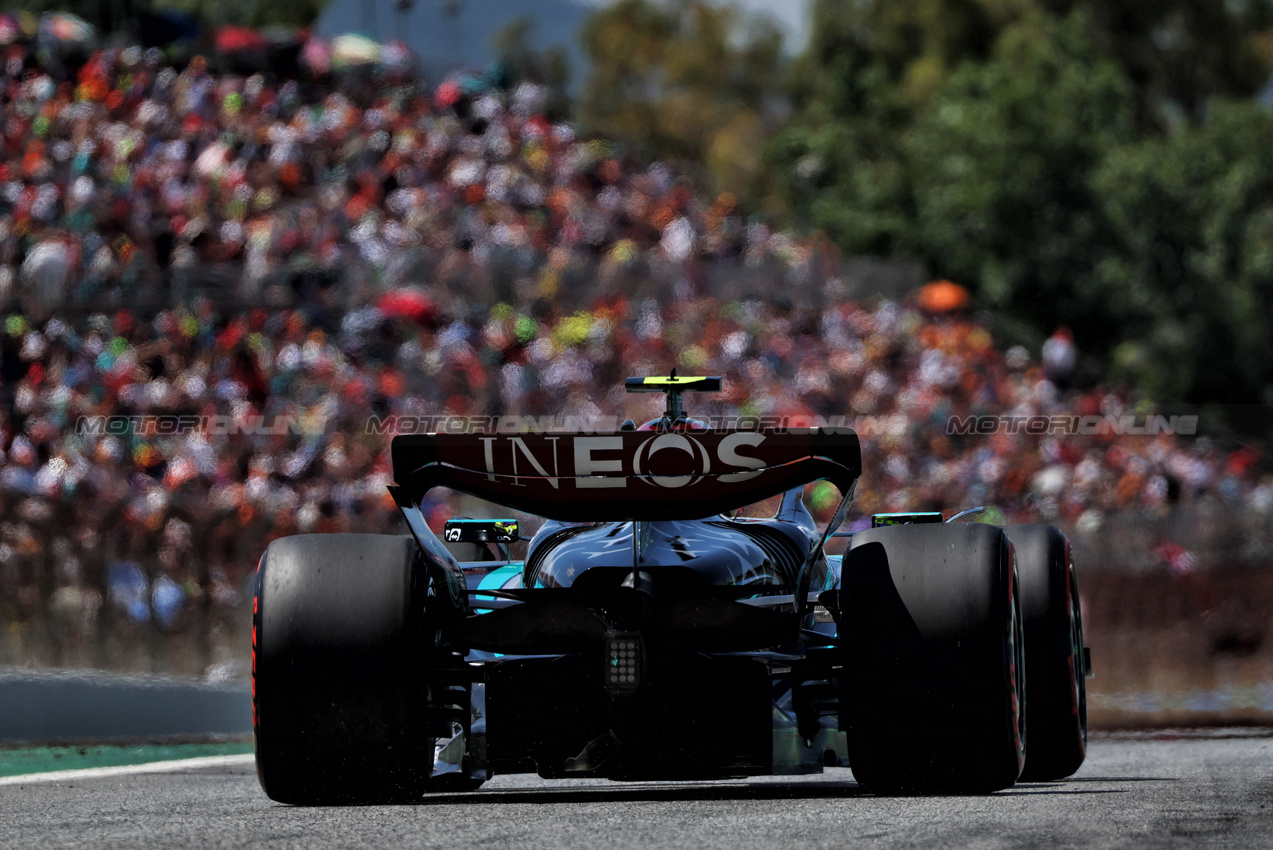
{"x":1002,"y":162}
{"x":1097,"y":163}
{"x":868,"y":70}
{"x":1180,"y":54}
{"x":1192,"y":216}
{"x":911,"y":45}
{"x":691,"y":81}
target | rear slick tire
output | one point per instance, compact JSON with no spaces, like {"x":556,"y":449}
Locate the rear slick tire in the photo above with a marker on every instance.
{"x":933,"y":662}
{"x":337,"y":670}
{"x":1056,"y":697}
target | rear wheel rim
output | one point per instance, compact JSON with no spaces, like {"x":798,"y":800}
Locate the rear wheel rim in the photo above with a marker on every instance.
{"x":1078,"y":671}
{"x":1016,"y":670}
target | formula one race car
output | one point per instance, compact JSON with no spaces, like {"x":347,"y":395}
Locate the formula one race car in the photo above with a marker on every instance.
{"x":649,"y":632}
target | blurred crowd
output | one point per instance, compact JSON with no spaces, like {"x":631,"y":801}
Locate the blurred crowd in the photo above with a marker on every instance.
{"x":131,"y":177}
{"x":279,"y":261}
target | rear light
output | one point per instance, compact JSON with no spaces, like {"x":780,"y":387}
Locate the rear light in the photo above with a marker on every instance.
{"x":624,"y":663}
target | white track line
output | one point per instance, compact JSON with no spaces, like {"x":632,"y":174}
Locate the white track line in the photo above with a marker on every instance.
{"x":128,"y":769}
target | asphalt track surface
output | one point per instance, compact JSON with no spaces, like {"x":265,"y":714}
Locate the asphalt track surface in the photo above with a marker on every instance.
{"x":1147,"y":790}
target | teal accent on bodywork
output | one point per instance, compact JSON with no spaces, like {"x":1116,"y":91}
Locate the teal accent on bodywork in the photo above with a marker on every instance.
{"x":498,"y":579}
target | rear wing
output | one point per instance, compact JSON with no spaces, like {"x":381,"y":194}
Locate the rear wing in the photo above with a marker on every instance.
{"x":629,"y":475}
